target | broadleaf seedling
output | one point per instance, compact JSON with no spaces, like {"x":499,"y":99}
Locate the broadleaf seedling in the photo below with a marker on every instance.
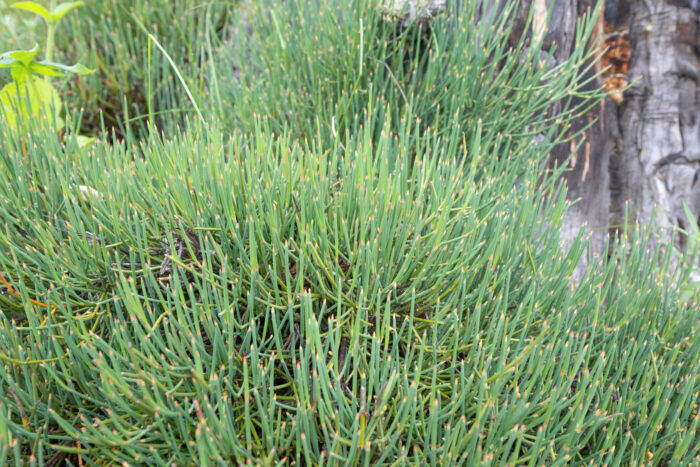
{"x":29,"y":97}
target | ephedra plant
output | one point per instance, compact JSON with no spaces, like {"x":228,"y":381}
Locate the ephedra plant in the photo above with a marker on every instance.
{"x":356,"y":266}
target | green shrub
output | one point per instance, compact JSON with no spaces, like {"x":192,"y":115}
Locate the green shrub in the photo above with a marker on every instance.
{"x":307,"y":67}
{"x":394,"y":291}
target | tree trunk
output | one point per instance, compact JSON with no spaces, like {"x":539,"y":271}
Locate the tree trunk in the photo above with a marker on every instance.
{"x":639,"y":160}
{"x":643,"y":152}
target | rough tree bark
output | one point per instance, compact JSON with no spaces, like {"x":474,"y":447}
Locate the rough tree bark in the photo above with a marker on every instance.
{"x":643,"y":152}
{"x":641,"y":155}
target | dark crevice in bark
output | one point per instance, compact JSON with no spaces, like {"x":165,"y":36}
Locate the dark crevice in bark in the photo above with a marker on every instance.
{"x":619,"y":193}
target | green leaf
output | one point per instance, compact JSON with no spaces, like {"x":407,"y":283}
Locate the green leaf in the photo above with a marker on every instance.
{"x":43,"y":69}
{"x":23,"y":64}
{"x":62,"y":9}
{"x":59,"y":67}
{"x":31,"y":100}
{"x":20,"y":71}
{"x":24,"y":56}
{"x":35,"y":8}
{"x":6,"y":60}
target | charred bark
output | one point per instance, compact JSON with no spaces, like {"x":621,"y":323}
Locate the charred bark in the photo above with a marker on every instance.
{"x":642,"y":155}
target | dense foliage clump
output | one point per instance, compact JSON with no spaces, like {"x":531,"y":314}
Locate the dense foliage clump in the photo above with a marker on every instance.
{"x":342,"y":246}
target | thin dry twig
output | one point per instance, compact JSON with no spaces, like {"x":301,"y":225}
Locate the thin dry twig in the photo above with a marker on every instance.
{"x":31,"y":300}
{"x":19,"y":405}
{"x":395,"y":80}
